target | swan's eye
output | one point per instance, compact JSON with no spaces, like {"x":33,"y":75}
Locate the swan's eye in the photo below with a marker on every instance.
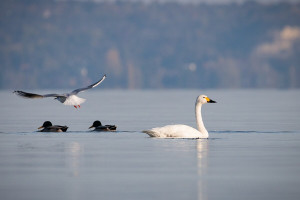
{"x":203,"y":97}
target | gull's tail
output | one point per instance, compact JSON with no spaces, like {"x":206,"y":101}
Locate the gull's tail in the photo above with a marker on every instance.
{"x":74,"y":101}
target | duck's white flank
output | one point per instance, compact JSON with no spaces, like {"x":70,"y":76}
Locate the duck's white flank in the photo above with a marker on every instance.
{"x":184,"y":131}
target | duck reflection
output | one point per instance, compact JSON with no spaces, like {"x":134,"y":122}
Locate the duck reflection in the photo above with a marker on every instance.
{"x":74,"y":150}
{"x":202,"y":164}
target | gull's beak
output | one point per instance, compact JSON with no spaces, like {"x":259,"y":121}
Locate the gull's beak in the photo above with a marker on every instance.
{"x":40,"y":127}
{"x":210,"y":100}
{"x":91,"y":126}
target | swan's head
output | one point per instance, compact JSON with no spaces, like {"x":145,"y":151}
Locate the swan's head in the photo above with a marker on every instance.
{"x":204,"y":99}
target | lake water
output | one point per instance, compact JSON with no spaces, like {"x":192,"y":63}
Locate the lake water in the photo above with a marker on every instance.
{"x":253,"y":151}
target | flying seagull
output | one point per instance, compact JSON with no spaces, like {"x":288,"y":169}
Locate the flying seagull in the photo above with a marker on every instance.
{"x":67,"y":99}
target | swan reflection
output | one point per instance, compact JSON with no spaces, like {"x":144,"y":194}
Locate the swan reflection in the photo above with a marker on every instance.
{"x":202,"y":151}
{"x":74,"y":150}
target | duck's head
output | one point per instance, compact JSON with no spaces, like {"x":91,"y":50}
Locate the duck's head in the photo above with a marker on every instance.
{"x":204,"y":99}
{"x":46,"y":124}
{"x":96,"y":124}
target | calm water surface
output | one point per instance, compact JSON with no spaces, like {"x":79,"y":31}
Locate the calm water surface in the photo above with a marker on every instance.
{"x":253,"y":151}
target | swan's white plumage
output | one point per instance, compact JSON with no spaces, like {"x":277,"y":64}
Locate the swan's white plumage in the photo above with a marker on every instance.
{"x":173,"y":131}
{"x":184,"y":131}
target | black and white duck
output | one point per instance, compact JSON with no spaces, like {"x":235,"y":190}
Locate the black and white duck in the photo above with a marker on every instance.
{"x":99,"y":127}
{"x":48,"y":127}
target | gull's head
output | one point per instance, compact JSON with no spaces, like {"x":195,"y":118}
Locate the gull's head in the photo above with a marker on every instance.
{"x":202,"y":99}
{"x":60,"y":99}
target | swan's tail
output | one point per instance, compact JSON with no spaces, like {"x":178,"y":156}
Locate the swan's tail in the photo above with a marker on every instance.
{"x":151,"y":133}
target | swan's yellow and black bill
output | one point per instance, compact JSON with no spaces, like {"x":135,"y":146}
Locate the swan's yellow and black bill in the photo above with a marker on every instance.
{"x":40,"y":127}
{"x":210,"y":100}
{"x":91,"y":127}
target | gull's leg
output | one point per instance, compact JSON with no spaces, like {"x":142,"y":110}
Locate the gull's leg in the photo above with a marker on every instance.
{"x":75,"y":107}
{"x":79,"y":106}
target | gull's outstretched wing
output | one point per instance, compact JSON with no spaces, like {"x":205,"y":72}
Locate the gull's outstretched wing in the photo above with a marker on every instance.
{"x":88,"y":87}
{"x":34,"y":96}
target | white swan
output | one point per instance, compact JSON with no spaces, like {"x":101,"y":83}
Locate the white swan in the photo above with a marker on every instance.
{"x":184,"y":131}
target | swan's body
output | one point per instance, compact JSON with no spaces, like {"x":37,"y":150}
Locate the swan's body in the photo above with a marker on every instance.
{"x":66,"y":99}
{"x":173,"y":131}
{"x":184,"y":131}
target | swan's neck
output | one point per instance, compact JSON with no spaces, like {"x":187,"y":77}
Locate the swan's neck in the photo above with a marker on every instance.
{"x":199,"y":120}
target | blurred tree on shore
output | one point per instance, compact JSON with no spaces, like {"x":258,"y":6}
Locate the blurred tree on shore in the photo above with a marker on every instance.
{"x":63,"y":44}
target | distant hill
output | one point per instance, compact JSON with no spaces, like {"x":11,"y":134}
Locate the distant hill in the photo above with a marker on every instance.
{"x":60,"y":44}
